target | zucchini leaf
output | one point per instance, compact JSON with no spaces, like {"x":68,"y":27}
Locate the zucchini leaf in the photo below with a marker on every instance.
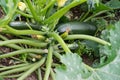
{"x":114,"y":4}
{"x":75,"y":69}
{"x":9,"y":7}
{"x":101,"y":8}
{"x":3,"y":5}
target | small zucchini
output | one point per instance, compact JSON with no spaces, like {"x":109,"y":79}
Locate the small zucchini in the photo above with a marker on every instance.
{"x":77,"y":28}
{"x":21,"y":25}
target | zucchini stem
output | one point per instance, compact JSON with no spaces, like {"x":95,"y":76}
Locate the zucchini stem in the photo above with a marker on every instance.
{"x":12,"y":76}
{"x":28,"y":42}
{"x":13,"y":67}
{"x":14,"y":46}
{"x":23,"y":32}
{"x":43,"y":11}
{"x":24,"y":14}
{"x":88,"y":37}
{"x":39,"y":74}
{"x":33,"y":11}
{"x":62,"y":43}
{"x":52,"y":74}
{"x":39,"y":51}
{"x":23,"y":68}
{"x":48,"y":63}
{"x":32,"y":69}
{"x":87,"y":19}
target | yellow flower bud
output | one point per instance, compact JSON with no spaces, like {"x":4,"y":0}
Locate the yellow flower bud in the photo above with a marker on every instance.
{"x":21,"y":6}
{"x":61,"y":2}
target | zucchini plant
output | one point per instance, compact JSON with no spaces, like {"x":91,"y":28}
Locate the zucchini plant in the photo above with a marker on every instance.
{"x":37,"y":39}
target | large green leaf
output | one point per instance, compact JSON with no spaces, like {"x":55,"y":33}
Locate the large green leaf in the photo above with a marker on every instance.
{"x":75,"y":69}
{"x":8,"y":5}
{"x":101,"y":8}
{"x":115,"y":4}
{"x":3,"y":5}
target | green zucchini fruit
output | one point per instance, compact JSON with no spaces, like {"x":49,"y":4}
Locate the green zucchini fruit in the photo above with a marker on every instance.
{"x":21,"y":25}
{"x":77,"y":28}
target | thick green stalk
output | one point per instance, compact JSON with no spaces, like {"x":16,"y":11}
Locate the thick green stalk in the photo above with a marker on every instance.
{"x":56,"y":54}
{"x":12,"y":76}
{"x":23,"y":32}
{"x":39,"y":74}
{"x":84,"y":16}
{"x":47,"y":6}
{"x":39,"y":51}
{"x":16,"y":70}
{"x":32,"y":69}
{"x":3,"y":37}
{"x":87,"y":19}
{"x":11,"y":67}
{"x":62,"y":11}
{"x":23,"y":41}
{"x":52,"y":74}
{"x":24,"y":14}
{"x":88,"y":37}
{"x":33,"y":11}
{"x":60,"y":40}
{"x":48,"y":63}
{"x":14,"y":46}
